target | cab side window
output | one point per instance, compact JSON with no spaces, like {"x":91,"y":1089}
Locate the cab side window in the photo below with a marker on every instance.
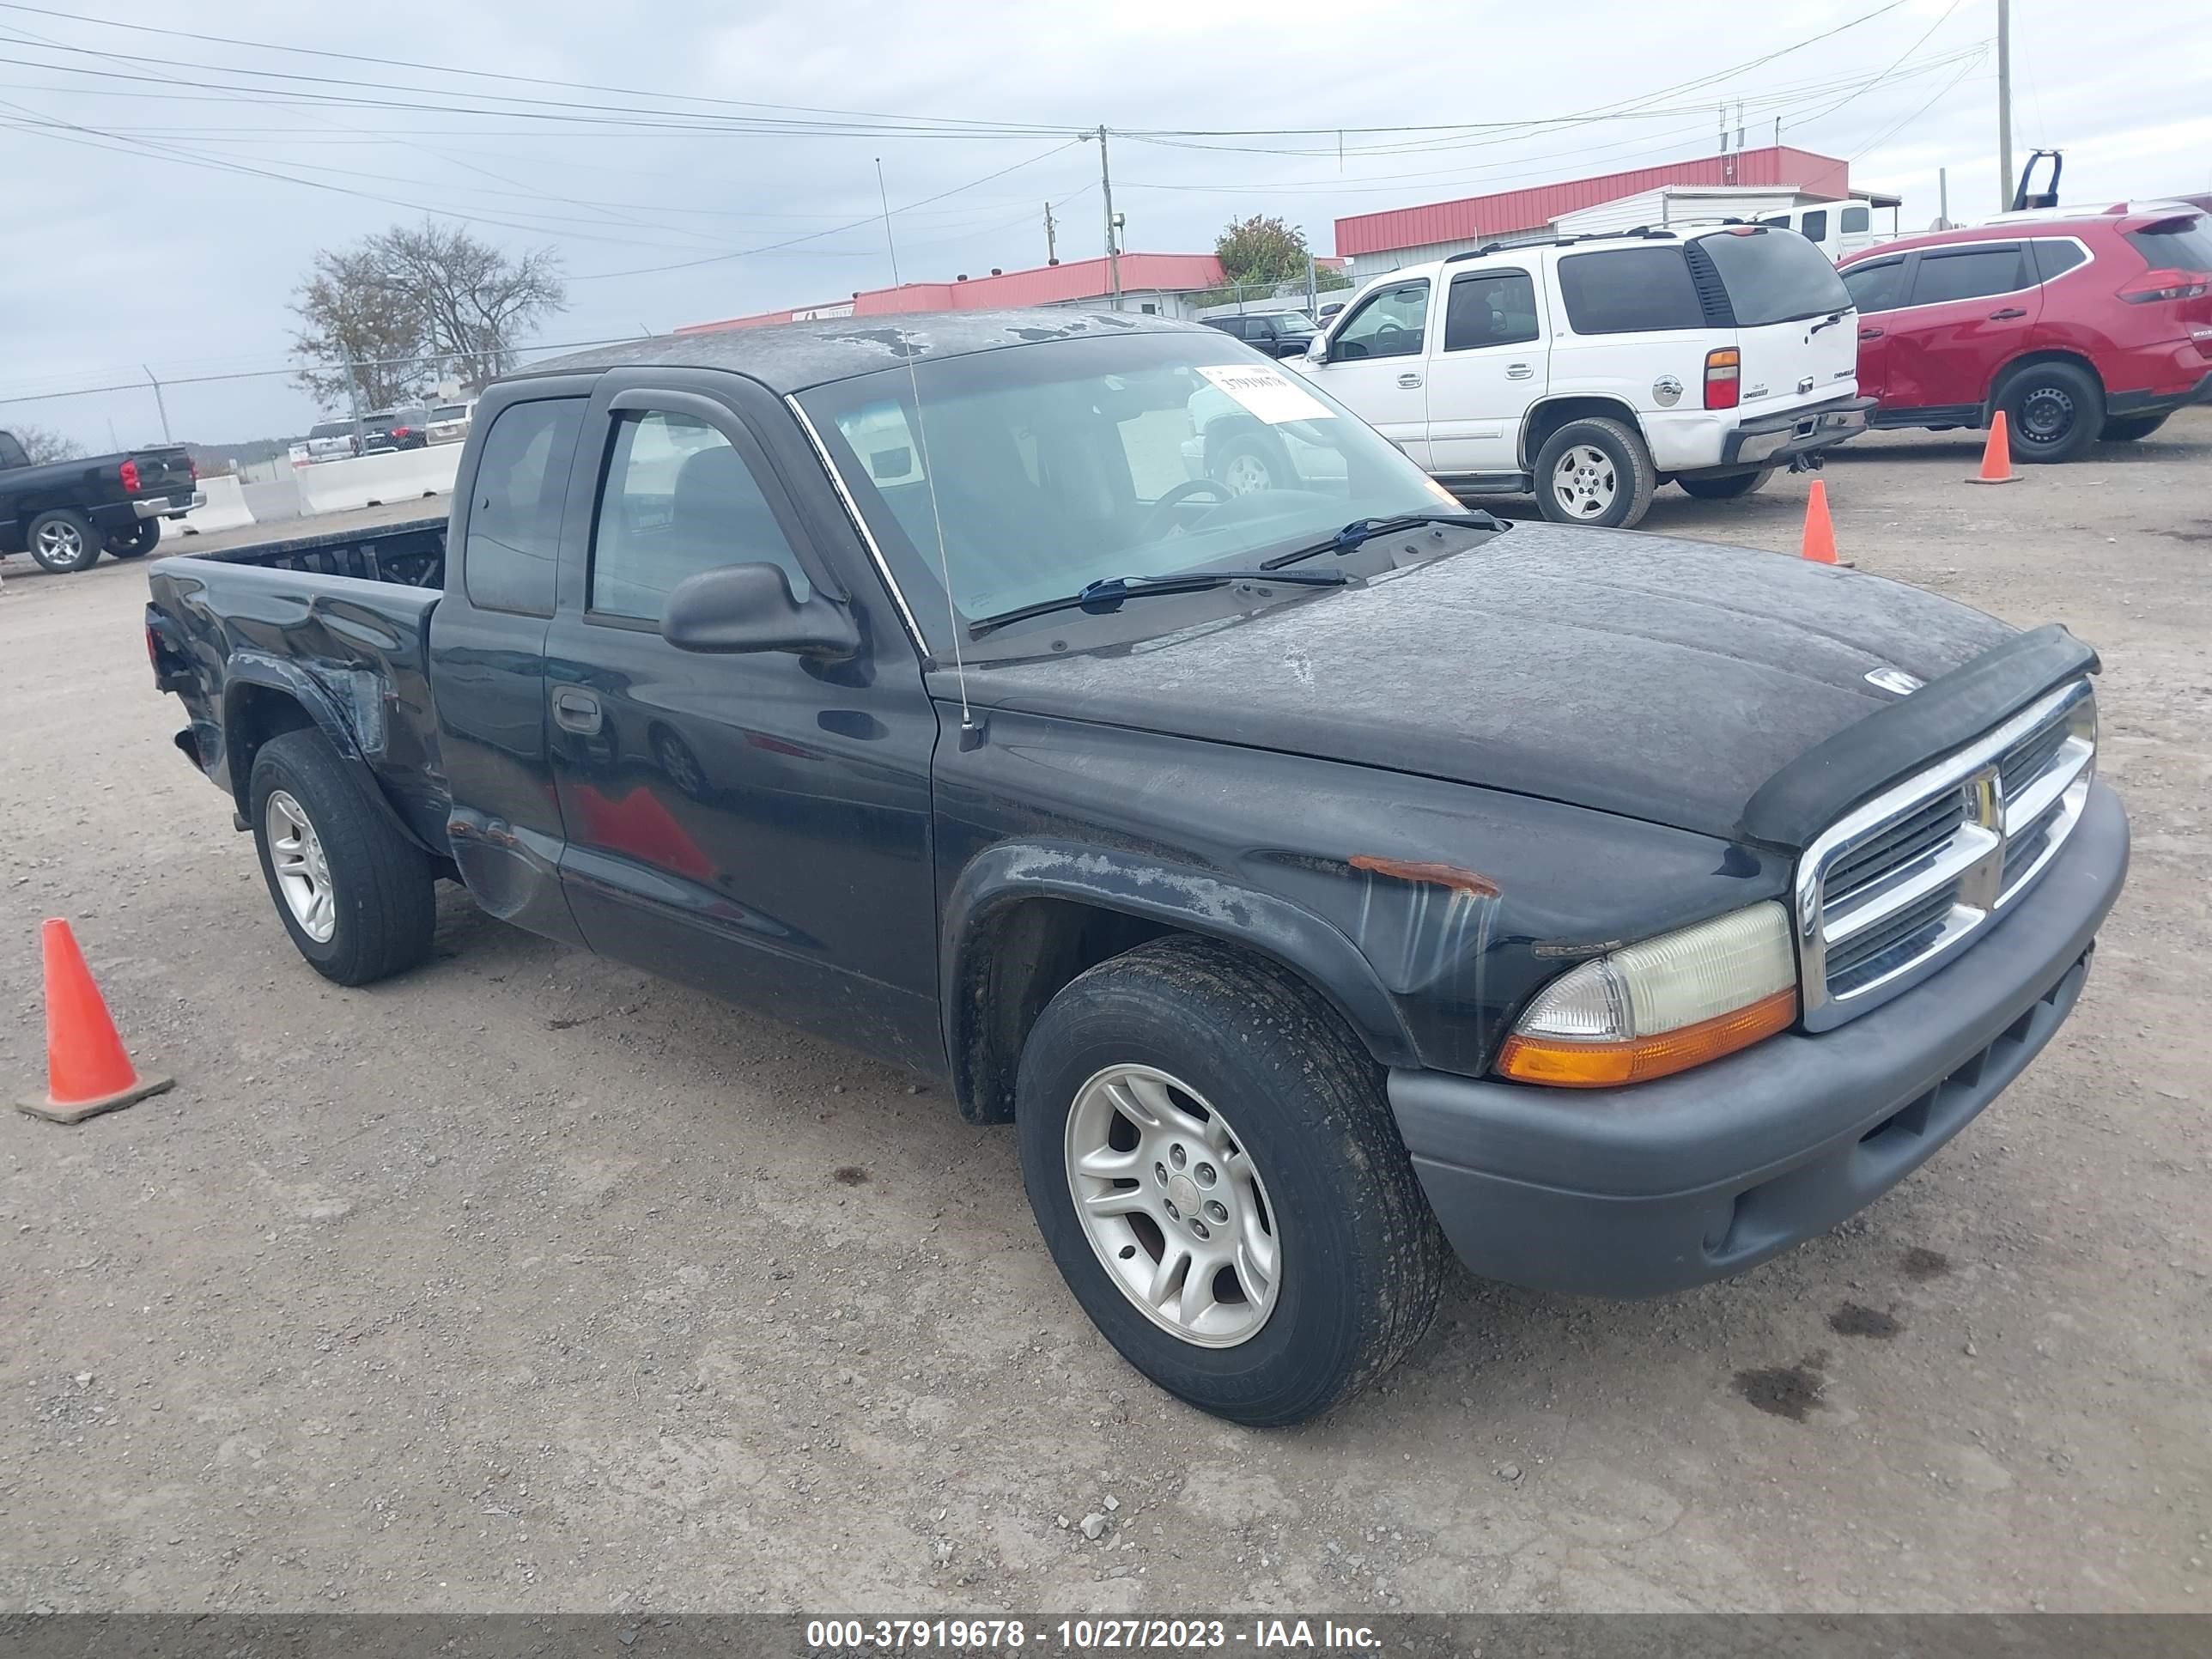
{"x":1389,"y":324}
{"x":513,"y":544}
{"x":1490,"y":308}
{"x":678,"y":499}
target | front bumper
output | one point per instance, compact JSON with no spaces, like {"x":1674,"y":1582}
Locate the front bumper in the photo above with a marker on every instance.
{"x":1771,"y":440}
{"x":1672,"y":1183}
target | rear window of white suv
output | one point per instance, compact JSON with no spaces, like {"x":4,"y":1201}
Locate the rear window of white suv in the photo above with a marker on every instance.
{"x":1772,"y":277}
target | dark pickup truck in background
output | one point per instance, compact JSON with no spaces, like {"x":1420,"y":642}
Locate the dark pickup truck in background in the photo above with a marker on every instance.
{"x":64,"y":513}
{"x":1317,"y":877}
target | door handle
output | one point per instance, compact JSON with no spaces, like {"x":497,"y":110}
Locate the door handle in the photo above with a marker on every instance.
{"x":576,"y":711}
{"x":1870,"y":334}
{"x":2007,"y":314}
{"x":1410,"y":382}
{"x":1519,"y":372}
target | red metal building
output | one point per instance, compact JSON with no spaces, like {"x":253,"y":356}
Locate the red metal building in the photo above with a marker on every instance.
{"x":1513,"y":212}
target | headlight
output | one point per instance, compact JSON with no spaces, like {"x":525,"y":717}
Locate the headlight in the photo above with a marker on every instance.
{"x":1663,"y":1005}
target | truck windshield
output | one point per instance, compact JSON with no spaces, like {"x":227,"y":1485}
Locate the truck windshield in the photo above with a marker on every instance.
{"x":1065,"y":462}
{"x":1773,"y":278}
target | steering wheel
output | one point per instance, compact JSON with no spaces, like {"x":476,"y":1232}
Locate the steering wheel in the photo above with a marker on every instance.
{"x":1158,"y":521}
{"x":1392,"y":331}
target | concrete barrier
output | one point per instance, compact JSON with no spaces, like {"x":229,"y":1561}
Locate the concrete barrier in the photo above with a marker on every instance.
{"x":226,"y":508}
{"x":399,"y":475}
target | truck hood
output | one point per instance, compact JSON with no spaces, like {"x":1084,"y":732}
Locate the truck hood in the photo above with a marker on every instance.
{"x":1635,"y":674}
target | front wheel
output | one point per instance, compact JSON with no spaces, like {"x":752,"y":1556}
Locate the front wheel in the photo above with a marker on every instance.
{"x":1734,"y":486}
{"x":64,"y":541}
{"x":2128,"y":428}
{"x":2053,"y":411}
{"x":136,"y":541}
{"x":1218,"y":1176}
{"x":1248,"y":464}
{"x":357,"y":897}
{"x":1595,"y":471}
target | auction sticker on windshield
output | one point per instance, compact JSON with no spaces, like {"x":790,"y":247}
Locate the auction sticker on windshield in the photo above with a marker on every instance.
{"x":1269,"y":392}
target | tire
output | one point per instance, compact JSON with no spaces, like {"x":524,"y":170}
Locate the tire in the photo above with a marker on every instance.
{"x":1357,"y":1262}
{"x":1249,"y":462}
{"x":64,"y":541}
{"x":145,"y":536}
{"x":1613,"y":468}
{"x":381,"y":889}
{"x":2128,"y":428}
{"x":2053,"y":411}
{"x":1731,"y":488}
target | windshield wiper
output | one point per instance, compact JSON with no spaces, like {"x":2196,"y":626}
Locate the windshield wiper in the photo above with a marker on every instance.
{"x":1104,"y":596}
{"x":1360,"y":530}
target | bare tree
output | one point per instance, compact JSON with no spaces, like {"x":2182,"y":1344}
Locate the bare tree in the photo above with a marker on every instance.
{"x":475,"y":301}
{"x":411,"y":306}
{"x":42,"y":444}
{"x":348,"y":311}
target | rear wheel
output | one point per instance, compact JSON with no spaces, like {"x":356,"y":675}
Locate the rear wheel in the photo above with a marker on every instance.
{"x":1595,"y":471}
{"x":63,"y":541}
{"x":2127,"y":429}
{"x":137,"y":542}
{"x":358,"y":898}
{"x":1218,"y":1176}
{"x":2053,"y":411}
{"x":1727,"y":489}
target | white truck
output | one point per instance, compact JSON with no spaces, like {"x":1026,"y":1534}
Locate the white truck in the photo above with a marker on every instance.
{"x":1591,"y":371}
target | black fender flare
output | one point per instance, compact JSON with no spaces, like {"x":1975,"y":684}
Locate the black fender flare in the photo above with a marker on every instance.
{"x":1186,"y":897}
{"x":268,"y":672}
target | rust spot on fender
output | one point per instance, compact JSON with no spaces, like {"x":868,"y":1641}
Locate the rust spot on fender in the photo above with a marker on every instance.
{"x":1430,"y":875}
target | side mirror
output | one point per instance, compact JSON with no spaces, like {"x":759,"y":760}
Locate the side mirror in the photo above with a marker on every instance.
{"x":1317,"y":350}
{"x":750,"y":608}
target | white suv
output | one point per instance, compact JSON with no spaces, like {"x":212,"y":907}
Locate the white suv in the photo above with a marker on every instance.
{"x":1591,"y":371}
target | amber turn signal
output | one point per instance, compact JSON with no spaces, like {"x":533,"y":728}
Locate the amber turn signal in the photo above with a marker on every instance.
{"x":1571,"y":1065}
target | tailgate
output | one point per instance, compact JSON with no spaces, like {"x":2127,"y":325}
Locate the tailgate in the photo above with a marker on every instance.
{"x":1787,"y":363}
{"x":163,"y":472}
{"x":1795,"y":323}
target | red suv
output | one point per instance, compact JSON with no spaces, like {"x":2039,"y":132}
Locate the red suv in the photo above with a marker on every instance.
{"x":2077,"y":328}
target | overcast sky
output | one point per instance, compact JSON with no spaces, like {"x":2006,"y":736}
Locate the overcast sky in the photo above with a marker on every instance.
{"x":167,"y":193}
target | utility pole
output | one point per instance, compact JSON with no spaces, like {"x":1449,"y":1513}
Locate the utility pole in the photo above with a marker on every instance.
{"x":1943,"y":199}
{"x":1051,"y":246}
{"x":158,"y":402}
{"x":1113,"y":242}
{"x":353,"y":396}
{"x":2004,"y":106}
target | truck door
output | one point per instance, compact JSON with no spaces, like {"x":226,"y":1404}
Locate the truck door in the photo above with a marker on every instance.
{"x":1376,"y":362}
{"x":757,"y":825}
{"x":488,"y":652}
{"x":1971,"y":309}
{"x":1489,"y":368}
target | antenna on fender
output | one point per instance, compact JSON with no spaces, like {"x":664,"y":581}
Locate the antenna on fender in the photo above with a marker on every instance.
{"x":971,"y":732}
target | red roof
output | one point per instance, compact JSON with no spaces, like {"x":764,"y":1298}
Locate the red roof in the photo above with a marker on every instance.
{"x":1512,"y":211}
{"x":1043,"y":285}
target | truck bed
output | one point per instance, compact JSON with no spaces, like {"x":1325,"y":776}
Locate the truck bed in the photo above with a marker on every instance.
{"x":412,"y":554}
{"x":333,"y":629}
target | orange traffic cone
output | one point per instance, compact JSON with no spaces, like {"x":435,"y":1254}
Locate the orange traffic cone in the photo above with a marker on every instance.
{"x":1997,"y":454}
{"x":1820,"y":544}
{"x":88,"y":1070}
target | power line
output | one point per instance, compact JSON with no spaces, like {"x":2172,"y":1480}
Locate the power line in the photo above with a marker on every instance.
{"x":871,"y":219}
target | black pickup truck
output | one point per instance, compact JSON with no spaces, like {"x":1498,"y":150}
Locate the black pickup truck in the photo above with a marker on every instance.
{"x":64,"y":514}
{"x":1317,"y":876}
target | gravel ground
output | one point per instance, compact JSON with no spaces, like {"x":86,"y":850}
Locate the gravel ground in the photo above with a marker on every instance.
{"x":528,"y":1281}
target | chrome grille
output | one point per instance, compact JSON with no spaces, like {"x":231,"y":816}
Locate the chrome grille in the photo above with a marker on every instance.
{"x":1888,"y":893}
